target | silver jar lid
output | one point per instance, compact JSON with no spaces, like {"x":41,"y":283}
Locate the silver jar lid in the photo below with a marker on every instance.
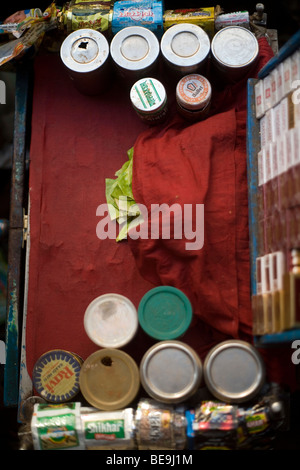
{"x":185,"y":45}
{"x":84,"y":50}
{"x":134,"y":48}
{"x":234,"y":371}
{"x":234,"y":47}
{"x":170,"y":371}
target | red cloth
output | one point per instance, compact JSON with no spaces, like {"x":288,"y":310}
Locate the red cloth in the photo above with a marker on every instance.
{"x":77,"y":142}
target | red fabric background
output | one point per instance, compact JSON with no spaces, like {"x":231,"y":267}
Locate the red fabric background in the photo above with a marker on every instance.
{"x":77,"y":142}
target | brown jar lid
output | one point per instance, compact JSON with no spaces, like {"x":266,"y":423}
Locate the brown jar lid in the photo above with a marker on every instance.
{"x":109,"y":379}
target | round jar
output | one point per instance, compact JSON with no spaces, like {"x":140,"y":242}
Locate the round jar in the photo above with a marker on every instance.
{"x":109,"y":379}
{"x":111,"y":321}
{"x":234,"y":51}
{"x":185,"y":48}
{"x":170,"y":372}
{"x":55,"y":376}
{"x":85,"y":54}
{"x":149,"y":100}
{"x":234,"y":371}
{"x":193,"y":97}
{"x":165,"y":313}
{"x":135,"y":51}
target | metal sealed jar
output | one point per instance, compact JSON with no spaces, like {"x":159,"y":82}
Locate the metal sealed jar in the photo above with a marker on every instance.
{"x":170,"y":371}
{"x":135,"y":51}
{"x":109,"y":379}
{"x":85,"y":54}
{"x":193,"y":97}
{"x":165,"y":313}
{"x":159,"y":426}
{"x":55,"y":375}
{"x":185,"y":48}
{"x":234,"y":51}
{"x":149,"y":100}
{"x":111,"y":321}
{"x":234,"y":371}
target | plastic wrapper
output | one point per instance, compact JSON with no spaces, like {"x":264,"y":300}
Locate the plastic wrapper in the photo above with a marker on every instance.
{"x":160,"y":426}
{"x":95,"y":15}
{"x":215,"y":426}
{"x":203,"y":17}
{"x":17,"y":23}
{"x":57,"y":427}
{"x":32,"y":37}
{"x":108,"y":430}
{"x":239,"y":18}
{"x":146,"y":13}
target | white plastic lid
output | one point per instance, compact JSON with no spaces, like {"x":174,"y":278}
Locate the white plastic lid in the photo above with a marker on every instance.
{"x":84,"y":50}
{"x":111,"y":321}
{"x":185,"y":45}
{"x":234,"y":46}
{"x":193,"y":92}
{"x":147,"y":95}
{"x":134,"y":48}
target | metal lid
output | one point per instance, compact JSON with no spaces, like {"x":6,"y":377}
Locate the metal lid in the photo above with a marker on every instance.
{"x":170,"y":371}
{"x":111,"y":321}
{"x":148,"y":94}
{"x":234,"y":46}
{"x":109,"y":379}
{"x":55,"y":376}
{"x":234,"y":371}
{"x":134,"y":48}
{"x":185,"y":44}
{"x":193,"y":91}
{"x":84,"y":50}
{"x":165,"y":313}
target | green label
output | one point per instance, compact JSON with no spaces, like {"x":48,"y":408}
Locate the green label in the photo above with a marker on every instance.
{"x":57,"y":432}
{"x":107,"y":429}
{"x":257,"y":422}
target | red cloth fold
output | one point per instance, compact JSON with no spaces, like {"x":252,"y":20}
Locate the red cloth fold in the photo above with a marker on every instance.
{"x":77,"y":142}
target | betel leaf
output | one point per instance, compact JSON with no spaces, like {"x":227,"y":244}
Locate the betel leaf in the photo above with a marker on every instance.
{"x":121,"y":204}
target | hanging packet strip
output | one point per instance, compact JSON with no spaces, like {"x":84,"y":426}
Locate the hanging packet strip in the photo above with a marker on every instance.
{"x":17,"y":23}
{"x":33,"y":36}
{"x":57,"y":427}
{"x":95,"y":15}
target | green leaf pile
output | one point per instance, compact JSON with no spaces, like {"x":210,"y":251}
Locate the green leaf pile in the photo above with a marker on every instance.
{"x":119,"y":197}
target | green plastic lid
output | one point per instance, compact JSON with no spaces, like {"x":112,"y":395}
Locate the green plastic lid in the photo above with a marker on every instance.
{"x":165,"y":313}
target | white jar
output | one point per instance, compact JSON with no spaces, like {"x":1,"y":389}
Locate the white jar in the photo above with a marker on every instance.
{"x":149,"y":100}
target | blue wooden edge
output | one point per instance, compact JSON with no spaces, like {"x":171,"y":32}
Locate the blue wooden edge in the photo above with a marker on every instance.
{"x":253,"y":146}
{"x":15,"y":275}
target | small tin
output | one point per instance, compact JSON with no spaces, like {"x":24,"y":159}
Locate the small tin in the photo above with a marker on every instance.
{"x":185,"y":48}
{"x":193,"y":97}
{"x":170,"y":372}
{"x":149,"y":100}
{"x":109,"y":379}
{"x":85,"y":54}
{"x":234,"y":51}
{"x":234,"y":371}
{"x":135,"y":51}
{"x":159,"y":426}
{"x":165,"y":313}
{"x":111,"y":321}
{"x":55,"y":376}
